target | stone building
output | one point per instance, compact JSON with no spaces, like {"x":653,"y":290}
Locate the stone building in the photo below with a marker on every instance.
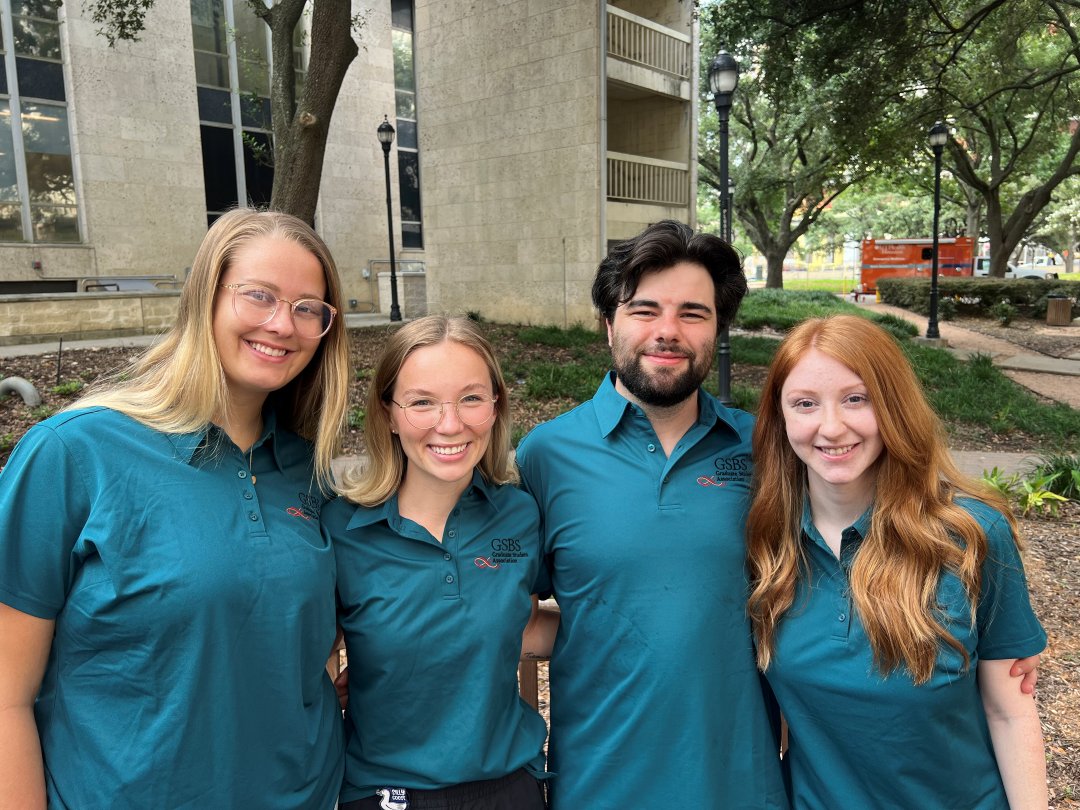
{"x":529,"y":135}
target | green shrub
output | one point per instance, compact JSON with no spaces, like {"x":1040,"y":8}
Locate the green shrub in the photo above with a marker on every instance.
{"x":42,"y":412}
{"x":69,"y":388}
{"x":946,"y":308}
{"x":1063,"y":472}
{"x":1003,"y":312}
{"x":975,"y":296}
{"x":7,"y":441}
{"x":356,"y":418}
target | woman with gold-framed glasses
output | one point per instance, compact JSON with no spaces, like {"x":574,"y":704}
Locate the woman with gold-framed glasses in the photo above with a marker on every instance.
{"x":160,"y":540}
{"x":437,"y":554}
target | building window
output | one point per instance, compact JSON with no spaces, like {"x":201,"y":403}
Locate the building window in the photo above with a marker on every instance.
{"x":37,"y":181}
{"x":412,"y":233}
{"x":232,"y":75}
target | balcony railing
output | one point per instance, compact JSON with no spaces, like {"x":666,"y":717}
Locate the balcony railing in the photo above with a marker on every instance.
{"x":643,"y":42}
{"x":631,"y":178}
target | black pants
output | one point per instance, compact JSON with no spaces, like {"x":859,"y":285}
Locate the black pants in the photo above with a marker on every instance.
{"x":518,"y":791}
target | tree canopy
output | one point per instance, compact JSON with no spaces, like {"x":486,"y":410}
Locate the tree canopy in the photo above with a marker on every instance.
{"x":873,"y":75}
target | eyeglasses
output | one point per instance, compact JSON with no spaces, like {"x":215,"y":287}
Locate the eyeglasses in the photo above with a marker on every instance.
{"x":472,"y":410}
{"x":256,"y":305}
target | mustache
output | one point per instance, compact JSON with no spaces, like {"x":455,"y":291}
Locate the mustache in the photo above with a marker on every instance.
{"x":661,"y":347}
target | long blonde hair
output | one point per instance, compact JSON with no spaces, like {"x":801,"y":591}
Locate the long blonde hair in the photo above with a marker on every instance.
{"x":178,"y":385}
{"x":385,"y":470}
{"x":917,"y":530}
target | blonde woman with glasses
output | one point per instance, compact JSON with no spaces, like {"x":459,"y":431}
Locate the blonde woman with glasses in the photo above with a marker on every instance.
{"x":160,"y":543}
{"x":437,"y":553}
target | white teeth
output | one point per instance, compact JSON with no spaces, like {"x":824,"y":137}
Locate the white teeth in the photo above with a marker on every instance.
{"x":267,"y":350}
{"x":447,"y":451}
{"x":835,"y":451}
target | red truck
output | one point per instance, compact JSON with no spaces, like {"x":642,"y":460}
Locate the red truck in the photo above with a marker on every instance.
{"x":888,"y":258}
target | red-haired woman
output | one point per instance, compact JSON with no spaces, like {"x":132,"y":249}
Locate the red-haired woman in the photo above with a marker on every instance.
{"x":887,"y":598}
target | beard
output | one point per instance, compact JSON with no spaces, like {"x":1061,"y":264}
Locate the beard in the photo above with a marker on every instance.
{"x":661,"y":387}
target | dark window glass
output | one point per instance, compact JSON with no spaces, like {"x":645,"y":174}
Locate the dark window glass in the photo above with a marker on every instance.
{"x":9,"y":186}
{"x":39,"y":79}
{"x":258,"y":167}
{"x":36,"y":38}
{"x":211,"y":69}
{"x":406,"y":104}
{"x":406,"y":134}
{"x":36,"y":8}
{"x":401,"y":14}
{"x":55,"y":223}
{"x":409,"y":180}
{"x":219,"y":168}
{"x":11,"y":223}
{"x":403,"y":60}
{"x":214,"y":105}
{"x":3,"y":83}
{"x":208,"y":25}
{"x":255,"y":111}
{"x":50,"y":178}
{"x":412,"y":235}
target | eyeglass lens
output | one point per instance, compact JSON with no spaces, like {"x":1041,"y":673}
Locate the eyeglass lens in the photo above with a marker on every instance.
{"x":472,"y":410}
{"x":258,"y":305}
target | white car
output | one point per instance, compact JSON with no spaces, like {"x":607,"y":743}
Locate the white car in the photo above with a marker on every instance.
{"x":982,"y":268}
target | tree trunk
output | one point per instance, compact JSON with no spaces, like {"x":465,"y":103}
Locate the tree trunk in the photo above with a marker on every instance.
{"x":300,"y":133}
{"x":774,"y":275}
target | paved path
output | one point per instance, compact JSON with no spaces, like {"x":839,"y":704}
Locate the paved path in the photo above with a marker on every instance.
{"x":1052,"y":377}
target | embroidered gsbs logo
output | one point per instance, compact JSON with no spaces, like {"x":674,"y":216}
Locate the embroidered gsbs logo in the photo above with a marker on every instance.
{"x":504,"y":550}
{"x":309,"y":508}
{"x":728,"y":470}
{"x":393,"y":798}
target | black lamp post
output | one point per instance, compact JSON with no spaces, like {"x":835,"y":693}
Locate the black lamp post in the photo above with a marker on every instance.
{"x":723,"y":79}
{"x":939,"y":136}
{"x":386,"y":137}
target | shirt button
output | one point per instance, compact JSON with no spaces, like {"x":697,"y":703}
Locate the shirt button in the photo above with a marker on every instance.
{"x":248,"y":496}
{"x":449,"y":579}
{"x":651,"y":448}
{"x":842,"y":617}
{"x":241,"y":473}
{"x":254,"y":517}
{"x":451,"y":533}
{"x":446,"y":555}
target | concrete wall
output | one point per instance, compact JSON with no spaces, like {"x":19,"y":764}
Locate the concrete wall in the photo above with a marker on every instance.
{"x":653,"y":127}
{"x":510,"y":138}
{"x":135,"y":143}
{"x":78,"y":316}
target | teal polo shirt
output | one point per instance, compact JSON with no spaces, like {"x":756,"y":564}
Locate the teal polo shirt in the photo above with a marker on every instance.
{"x":863,"y":739}
{"x":655,"y":697}
{"x":194,"y":615}
{"x":433,"y":633}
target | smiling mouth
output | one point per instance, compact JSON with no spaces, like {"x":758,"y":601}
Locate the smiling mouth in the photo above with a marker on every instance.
{"x":441,"y":450}
{"x":836,"y":451}
{"x":269,"y":351}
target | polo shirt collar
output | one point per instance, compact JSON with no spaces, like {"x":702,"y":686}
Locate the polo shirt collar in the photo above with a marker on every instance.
{"x":851,"y":538}
{"x":610,"y":407}
{"x":388,"y":511}
{"x":190,"y":446}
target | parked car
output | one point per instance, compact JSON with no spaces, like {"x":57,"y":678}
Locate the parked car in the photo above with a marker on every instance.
{"x":982,"y":268}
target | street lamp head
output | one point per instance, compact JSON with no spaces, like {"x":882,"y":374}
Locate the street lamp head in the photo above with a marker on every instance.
{"x":939,"y":135}
{"x":723,"y":74}
{"x":386,"y":134}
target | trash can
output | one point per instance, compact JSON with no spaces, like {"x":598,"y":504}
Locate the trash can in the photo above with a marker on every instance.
{"x":1058,"y":310}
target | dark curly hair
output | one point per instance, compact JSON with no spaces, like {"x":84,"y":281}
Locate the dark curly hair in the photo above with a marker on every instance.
{"x":663,"y":245}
